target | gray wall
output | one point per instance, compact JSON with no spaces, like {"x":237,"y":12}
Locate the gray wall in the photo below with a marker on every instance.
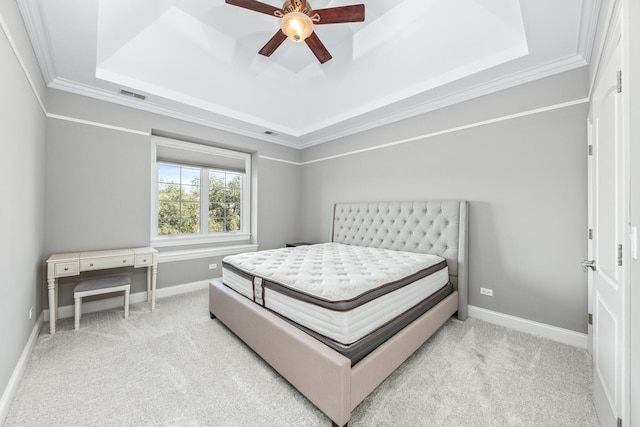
{"x":98,"y":188}
{"x":22,"y":140}
{"x":525,"y":178}
{"x":98,"y":185}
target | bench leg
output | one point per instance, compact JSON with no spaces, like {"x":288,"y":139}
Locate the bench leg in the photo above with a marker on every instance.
{"x":76,"y":315}
{"x":126,"y":303}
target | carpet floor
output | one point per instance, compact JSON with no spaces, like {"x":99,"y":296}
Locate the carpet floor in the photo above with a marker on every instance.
{"x":177,"y":367}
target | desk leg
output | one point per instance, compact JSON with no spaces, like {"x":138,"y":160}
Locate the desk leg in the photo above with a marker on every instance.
{"x":53,"y":305}
{"x":154,"y":274}
{"x":149,"y":284}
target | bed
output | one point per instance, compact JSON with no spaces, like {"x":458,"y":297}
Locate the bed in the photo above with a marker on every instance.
{"x":335,"y":380}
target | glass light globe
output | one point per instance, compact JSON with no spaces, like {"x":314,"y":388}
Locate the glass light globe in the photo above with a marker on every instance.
{"x":297,"y":26}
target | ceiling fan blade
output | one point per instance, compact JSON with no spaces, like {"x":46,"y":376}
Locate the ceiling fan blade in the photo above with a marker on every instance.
{"x":256,"y":6}
{"x":338,"y":15}
{"x":273,"y":43}
{"x":318,"y":49}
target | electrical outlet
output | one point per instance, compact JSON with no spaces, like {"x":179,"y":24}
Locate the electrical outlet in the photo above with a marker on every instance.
{"x":30,"y":312}
{"x":486,"y":291}
{"x":213,"y":266}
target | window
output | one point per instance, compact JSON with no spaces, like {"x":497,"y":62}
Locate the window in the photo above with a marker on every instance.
{"x":201,"y":194}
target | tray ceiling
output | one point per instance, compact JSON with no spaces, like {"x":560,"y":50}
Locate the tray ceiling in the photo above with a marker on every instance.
{"x":197,"y":59}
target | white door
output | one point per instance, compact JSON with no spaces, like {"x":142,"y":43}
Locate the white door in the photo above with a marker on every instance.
{"x":608,"y":203}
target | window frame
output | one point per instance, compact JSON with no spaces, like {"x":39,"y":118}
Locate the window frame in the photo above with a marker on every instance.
{"x":202,"y":237}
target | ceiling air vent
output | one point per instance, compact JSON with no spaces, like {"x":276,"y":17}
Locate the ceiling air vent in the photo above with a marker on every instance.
{"x":132,"y":94}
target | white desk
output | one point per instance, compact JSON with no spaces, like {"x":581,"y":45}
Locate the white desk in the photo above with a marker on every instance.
{"x":74,"y":263}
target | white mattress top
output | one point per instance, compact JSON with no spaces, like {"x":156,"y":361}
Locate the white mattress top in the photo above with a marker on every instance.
{"x":332,"y":271}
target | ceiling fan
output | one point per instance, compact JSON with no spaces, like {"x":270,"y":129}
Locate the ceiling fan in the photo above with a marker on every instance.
{"x":297,"y":20}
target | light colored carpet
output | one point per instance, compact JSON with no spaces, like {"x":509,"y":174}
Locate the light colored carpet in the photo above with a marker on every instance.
{"x":177,"y":367}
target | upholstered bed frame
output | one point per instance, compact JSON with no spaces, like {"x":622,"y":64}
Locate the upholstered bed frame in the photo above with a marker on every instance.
{"x":324,"y":376}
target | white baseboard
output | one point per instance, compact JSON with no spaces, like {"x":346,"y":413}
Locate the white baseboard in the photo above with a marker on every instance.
{"x":18,"y":371}
{"x":183,"y":289}
{"x":115,"y":302}
{"x":554,"y":333}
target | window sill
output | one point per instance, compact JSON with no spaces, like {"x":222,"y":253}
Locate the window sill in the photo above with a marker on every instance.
{"x":163,"y":242}
{"x":190,"y":254}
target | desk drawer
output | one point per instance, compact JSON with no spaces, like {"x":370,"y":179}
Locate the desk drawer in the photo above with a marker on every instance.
{"x":106,"y":262}
{"x":144,"y":260}
{"x":66,"y":268}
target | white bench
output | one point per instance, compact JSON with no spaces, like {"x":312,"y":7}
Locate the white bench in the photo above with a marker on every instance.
{"x":99,"y":286}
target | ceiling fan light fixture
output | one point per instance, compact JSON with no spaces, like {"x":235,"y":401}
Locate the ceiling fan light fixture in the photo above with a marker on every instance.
{"x":297,"y":21}
{"x":297,"y":26}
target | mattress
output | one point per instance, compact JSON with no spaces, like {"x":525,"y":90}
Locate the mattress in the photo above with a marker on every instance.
{"x":341,"y":293}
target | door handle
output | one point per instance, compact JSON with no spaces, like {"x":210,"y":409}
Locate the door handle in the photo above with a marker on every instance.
{"x":588,"y":264}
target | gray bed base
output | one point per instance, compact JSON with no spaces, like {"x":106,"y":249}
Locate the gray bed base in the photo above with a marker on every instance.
{"x":321,"y":374}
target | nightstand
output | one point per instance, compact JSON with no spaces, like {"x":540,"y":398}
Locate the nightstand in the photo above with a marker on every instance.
{"x":294,"y":244}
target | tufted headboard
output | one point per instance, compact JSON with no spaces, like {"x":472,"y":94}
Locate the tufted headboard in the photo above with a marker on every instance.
{"x":437,"y":227}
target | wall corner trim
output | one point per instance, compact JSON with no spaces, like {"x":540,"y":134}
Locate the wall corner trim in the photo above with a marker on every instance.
{"x":96,"y":124}
{"x":5,"y":29}
{"x":274,"y":159}
{"x":564,"y":336}
{"x":18,"y":371}
{"x":453,"y":129}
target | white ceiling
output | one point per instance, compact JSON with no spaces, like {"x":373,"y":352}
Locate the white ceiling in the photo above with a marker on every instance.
{"x":197,"y":59}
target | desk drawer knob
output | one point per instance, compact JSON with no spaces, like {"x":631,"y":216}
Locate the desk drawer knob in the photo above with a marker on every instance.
{"x":91,"y":265}
{"x":66,"y":269}
{"x":124,"y":260}
{"x":144,"y":260}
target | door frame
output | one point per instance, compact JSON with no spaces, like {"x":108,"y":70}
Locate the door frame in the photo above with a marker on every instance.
{"x":631,"y":67}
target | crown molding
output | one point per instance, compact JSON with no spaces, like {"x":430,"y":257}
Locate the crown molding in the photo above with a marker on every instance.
{"x":151,"y":107}
{"x":509,"y":81}
{"x":588,"y":28}
{"x":32,"y":16}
